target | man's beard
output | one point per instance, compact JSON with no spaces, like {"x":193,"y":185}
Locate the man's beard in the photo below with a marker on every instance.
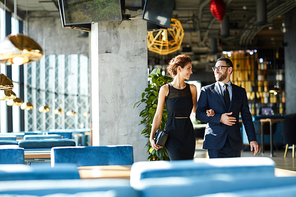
{"x":222,"y":77}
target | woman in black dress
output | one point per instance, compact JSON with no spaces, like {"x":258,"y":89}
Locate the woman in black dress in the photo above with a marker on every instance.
{"x":181,"y":100}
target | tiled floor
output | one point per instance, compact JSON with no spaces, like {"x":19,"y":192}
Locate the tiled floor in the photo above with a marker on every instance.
{"x":287,"y":163}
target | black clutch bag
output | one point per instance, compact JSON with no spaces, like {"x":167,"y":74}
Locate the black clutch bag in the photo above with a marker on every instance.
{"x":160,"y":137}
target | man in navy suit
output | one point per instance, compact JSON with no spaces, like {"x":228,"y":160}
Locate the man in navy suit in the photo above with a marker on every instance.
{"x":222,"y":134}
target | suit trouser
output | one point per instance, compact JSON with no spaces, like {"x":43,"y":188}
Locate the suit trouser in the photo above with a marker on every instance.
{"x":224,"y":152}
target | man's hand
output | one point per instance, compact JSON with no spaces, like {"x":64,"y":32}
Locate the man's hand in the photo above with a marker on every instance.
{"x":227,"y":119}
{"x":210,"y":112}
{"x":254,"y":146}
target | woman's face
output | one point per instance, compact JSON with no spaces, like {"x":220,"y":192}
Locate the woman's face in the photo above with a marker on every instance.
{"x":186,"y":71}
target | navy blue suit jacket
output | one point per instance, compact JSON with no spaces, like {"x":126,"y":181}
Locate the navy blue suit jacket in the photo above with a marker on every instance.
{"x":216,"y":132}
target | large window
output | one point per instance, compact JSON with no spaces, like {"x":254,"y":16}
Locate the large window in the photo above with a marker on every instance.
{"x":57,"y":81}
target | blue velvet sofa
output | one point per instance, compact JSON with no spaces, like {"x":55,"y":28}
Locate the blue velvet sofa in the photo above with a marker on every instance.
{"x":67,"y":188}
{"x":236,"y":167}
{"x":45,"y":144}
{"x":11,"y":155}
{"x":38,"y":172}
{"x":42,"y":137}
{"x":93,"y":155}
{"x":8,"y":137}
{"x":216,"y":186}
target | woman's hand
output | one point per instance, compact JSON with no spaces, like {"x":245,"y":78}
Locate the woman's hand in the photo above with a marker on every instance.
{"x":210,"y":112}
{"x":154,"y":146}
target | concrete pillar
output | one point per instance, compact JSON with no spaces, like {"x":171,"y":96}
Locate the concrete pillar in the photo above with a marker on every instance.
{"x":118,"y":78}
{"x":290,"y":61}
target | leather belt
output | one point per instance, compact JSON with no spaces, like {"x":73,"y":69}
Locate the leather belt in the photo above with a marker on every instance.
{"x":180,"y":117}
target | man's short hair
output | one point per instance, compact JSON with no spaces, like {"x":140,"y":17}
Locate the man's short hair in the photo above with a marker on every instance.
{"x":228,"y":61}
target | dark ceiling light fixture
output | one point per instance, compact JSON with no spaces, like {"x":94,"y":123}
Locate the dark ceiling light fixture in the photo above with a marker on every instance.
{"x":279,"y":10}
{"x":225,"y":27}
{"x":213,"y":45}
{"x":261,"y":12}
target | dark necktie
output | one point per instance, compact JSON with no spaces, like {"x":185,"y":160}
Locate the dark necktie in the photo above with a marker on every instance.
{"x":226,"y":96}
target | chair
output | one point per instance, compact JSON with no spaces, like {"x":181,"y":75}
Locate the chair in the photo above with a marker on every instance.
{"x":9,"y":155}
{"x":289,"y":133}
{"x":93,"y":155}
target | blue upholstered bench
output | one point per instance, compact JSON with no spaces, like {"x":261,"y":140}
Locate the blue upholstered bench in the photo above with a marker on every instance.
{"x":8,"y":142}
{"x":66,"y":188}
{"x":9,"y":155}
{"x":289,"y":190}
{"x":212,"y":185}
{"x":8,"y":137}
{"x":18,"y":135}
{"x":38,"y":172}
{"x":246,"y":167}
{"x":46,"y":143}
{"x":93,"y":155}
{"x":42,"y":137}
{"x":67,"y":134}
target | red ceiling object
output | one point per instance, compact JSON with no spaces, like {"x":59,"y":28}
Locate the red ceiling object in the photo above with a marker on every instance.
{"x":218,"y":9}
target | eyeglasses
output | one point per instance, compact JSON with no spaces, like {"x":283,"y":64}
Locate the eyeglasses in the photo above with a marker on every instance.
{"x":218,"y":68}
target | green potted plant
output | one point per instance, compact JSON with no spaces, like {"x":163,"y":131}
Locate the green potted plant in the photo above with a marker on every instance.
{"x":150,"y":99}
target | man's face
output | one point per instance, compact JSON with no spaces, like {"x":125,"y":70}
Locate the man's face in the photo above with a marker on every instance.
{"x":221,"y":75}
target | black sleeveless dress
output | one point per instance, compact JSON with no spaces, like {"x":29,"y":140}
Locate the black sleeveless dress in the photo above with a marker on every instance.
{"x":180,"y":144}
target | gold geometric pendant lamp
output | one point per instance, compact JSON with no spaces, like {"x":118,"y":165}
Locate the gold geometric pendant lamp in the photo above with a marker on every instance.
{"x":19,"y":49}
{"x":166,"y":41}
{"x":5,"y":83}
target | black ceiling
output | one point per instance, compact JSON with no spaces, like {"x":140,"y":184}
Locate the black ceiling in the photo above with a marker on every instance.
{"x":201,"y":27}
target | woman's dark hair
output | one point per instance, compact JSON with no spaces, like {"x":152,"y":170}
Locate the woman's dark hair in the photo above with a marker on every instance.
{"x":228,"y":61}
{"x":180,"y":60}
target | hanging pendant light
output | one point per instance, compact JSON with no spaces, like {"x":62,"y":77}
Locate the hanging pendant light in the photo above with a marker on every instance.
{"x":44,"y":108}
{"x":18,"y":101}
{"x":58,"y":111}
{"x":5,"y":83}
{"x":15,"y":101}
{"x":10,"y":102}
{"x":86,"y":114}
{"x":7,"y":94}
{"x":71,"y":113}
{"x":166,"y":41}
{"x":19,"y":49}
{"x":27,"y":106}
